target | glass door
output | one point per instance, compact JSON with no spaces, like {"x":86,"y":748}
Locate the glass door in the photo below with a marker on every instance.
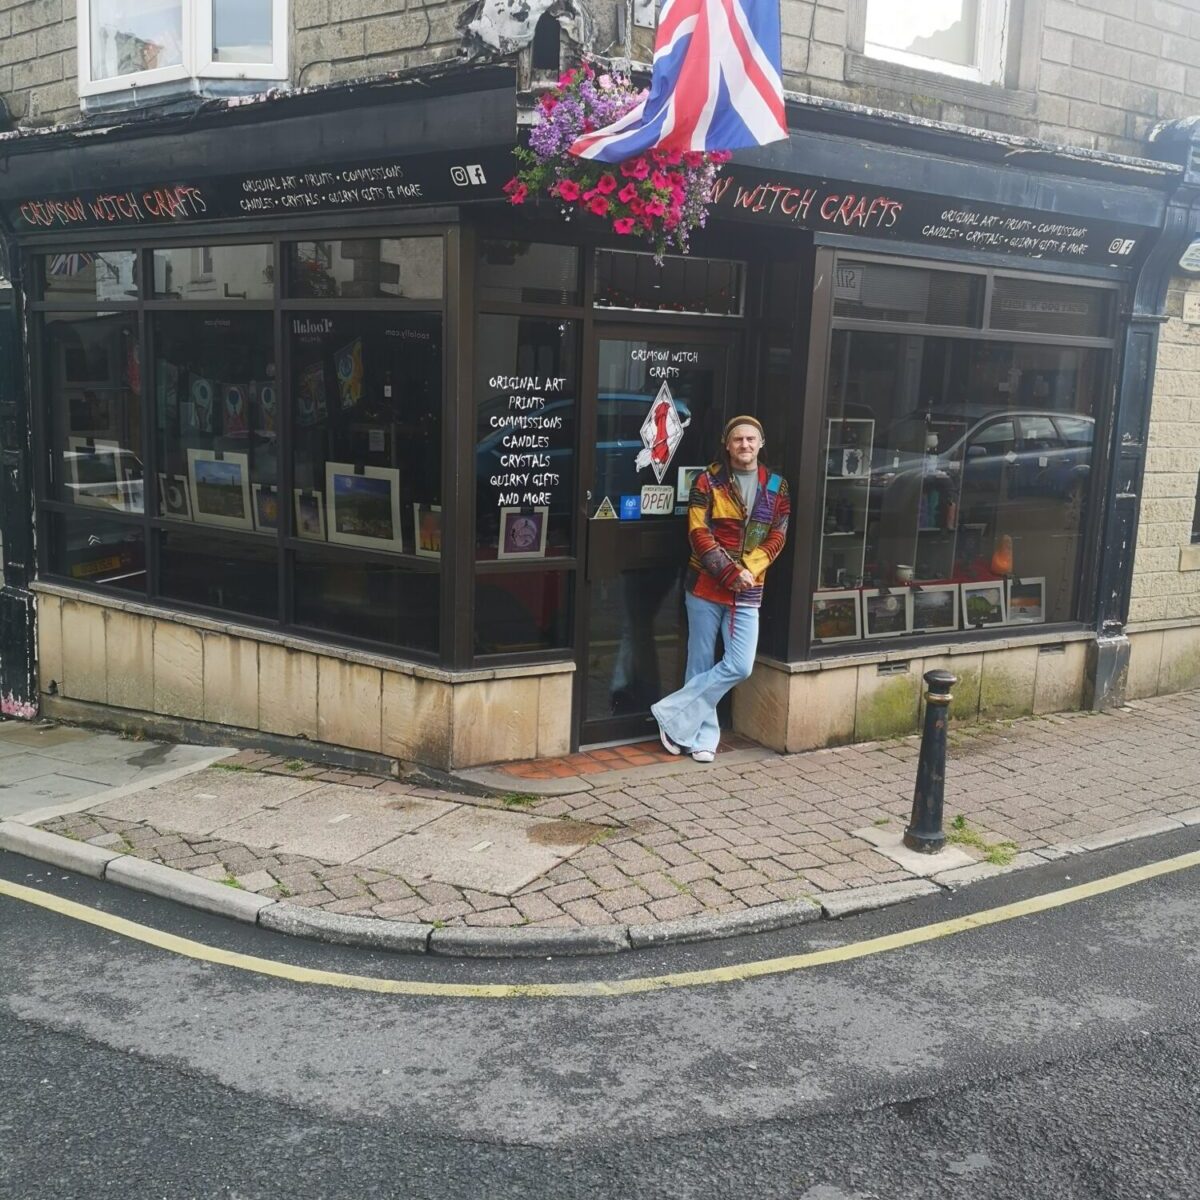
{"x":660,"y":407}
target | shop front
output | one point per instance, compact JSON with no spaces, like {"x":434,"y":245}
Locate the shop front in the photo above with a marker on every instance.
{"x":332,"y":444}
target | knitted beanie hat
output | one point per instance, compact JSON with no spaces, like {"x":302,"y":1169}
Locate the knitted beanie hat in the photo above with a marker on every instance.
{"x":732,"y":424}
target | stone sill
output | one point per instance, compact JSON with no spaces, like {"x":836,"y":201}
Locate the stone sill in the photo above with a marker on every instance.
{"x":1157,"y":626}
{"x":252,"y":633}
{"x":943,"y":650}
{"x":878,"y":72}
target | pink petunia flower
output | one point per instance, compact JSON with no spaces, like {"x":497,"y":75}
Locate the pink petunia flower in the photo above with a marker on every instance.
{"x":627,"y":193}
{"x":568,"y":189}
{"x":655,"y":208}
{"x":518,"y":194}
{"x":624,"y":225}
{"x":659,"y":180}
{"x":599,"y":206}
{"x":606,"y":183}
{"x":637,"y":168}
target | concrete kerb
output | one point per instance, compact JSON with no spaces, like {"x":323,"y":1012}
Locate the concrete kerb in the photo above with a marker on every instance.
{"x":418,"y":938}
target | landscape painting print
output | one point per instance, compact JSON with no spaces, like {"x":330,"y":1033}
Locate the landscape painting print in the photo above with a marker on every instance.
{"x":835,"y":617}
{"x":364,"y":505}
{"x":220,"y":489}
{"x":983,"y":604}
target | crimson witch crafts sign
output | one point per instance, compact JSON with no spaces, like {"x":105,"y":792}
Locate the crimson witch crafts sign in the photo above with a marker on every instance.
{"x":894,"y":214}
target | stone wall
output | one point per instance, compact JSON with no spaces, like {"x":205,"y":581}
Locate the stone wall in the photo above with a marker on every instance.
{"x":1095,"y":73}
{"x":135,"y":661}
{"x":1166,"y":570}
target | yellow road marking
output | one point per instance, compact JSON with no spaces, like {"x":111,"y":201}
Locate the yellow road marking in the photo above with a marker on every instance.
{"x":597,"y":987}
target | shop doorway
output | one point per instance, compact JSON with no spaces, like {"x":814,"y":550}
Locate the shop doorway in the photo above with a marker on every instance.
{"x":674,"y":386}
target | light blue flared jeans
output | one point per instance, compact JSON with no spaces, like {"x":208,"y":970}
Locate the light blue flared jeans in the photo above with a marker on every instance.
{"x":689,"y":716}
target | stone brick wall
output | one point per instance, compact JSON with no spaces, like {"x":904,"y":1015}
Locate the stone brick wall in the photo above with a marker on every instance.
{"x":1104,"y":71}
{"x":1096,"y":73}
{"x":1166,"y":581}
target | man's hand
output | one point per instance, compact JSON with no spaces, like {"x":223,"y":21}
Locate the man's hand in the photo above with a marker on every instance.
{"x":744,"y":581}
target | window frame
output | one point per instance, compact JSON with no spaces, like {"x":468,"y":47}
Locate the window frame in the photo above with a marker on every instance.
{"x":800,"y":646}
{"x":991,"y":46}
{"x":197,"y":64}
{"x":151,"y":521}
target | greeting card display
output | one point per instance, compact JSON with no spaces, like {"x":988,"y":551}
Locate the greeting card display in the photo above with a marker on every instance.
{"x":348,"y":362}
{"x":311,"y":406}
{"x":523,"y":532}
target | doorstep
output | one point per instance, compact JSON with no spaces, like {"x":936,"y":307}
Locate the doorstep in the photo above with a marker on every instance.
{"x":606,"y":766}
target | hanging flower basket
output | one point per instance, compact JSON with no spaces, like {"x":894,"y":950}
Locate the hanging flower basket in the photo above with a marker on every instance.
{"x":660,"y":196}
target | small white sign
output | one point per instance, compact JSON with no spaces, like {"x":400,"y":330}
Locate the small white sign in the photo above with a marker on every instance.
{"x":658,"y":500}
{"x":847,"y":282}
{"x":1190,"y":261}
{"x":1191,"y":308}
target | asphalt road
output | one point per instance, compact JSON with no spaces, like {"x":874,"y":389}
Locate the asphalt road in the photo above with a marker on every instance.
{"x":1051,"y":1056}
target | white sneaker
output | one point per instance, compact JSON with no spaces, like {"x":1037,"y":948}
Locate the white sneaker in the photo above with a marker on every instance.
{"x":704,"y":756}
{"x":668,"y":745}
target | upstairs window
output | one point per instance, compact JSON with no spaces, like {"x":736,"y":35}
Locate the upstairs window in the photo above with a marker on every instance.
{"x":963,"y":38}
{"x":141,"y":43}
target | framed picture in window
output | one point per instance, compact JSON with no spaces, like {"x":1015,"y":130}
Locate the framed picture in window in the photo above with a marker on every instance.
{"x":983,"y":604}
{"x":835,"y":617}
{"x":94,"y":473}
{"x":266,"y":507}
{"x":886,"y":612}
{"x":1027,"y":601}
{"x":310,"y":514}
{"x":935,"y":608}
{"x":220,"y":485}
{"x":174,"y":497}
{"x":427,"y":528}
{"x":364,"y":506}
{"x":523,"y":532}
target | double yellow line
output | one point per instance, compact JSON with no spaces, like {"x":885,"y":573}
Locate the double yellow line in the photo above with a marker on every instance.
{"x":201,"y":952}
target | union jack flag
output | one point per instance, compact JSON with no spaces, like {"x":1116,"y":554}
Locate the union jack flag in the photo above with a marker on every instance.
{"x":715,"y":85}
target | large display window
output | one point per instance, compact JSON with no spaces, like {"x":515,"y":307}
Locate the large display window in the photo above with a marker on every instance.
{"x":226,"y":433}
{"x":956,"y":467}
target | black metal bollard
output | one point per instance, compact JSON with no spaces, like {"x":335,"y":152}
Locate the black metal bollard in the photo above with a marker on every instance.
{"x":924,"y":831}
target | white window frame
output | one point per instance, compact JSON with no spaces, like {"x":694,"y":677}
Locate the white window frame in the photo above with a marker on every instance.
{"x":990,"y":46}
{"x":197,"y":62}
{"x":277,"y":68}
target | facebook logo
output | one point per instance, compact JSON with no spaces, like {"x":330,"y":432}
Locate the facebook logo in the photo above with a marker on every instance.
{"x":466,"y":176}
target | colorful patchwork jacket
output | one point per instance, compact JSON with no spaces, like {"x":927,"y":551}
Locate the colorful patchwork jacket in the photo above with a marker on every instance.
{"x":724,"y":541}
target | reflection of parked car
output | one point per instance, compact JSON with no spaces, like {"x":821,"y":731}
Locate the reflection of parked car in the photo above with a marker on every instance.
{"x":104,"y":477}
{"x":1030,"y":453}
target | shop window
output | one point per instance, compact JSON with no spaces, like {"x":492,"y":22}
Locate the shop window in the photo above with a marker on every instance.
{"x":94,"y":549}
{"x":367,"y":434}
{"x":139,"y":43}
{"x":1061,"y":310}
{"x":104,"y":276}
{"x":704,"y":286}
{"x":527,"y":273}
{"x":373,"y":599}
{"x":94,"y":378}
{"x":214,"y":273}
{"x":520,"y":612}
{"x":526,"y":389}
{"x":211,"y":568}
{"x":962,"y":38}
{"x":956,"y":483}
{"x":871,"y":291}
{"x":367,"y":268}
{"x":217,"y":427}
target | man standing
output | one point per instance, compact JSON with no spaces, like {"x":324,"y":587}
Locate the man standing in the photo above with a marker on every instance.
{"x":737,"y":524}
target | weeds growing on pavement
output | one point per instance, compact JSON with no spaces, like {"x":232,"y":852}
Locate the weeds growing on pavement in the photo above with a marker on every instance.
{"x":999,"y":854}
{"x":519,"y":800}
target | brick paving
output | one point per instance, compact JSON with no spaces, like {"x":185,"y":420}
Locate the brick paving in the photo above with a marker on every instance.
{"x":733,"y":837}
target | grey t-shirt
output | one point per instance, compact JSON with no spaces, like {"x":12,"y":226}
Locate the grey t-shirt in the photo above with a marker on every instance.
{"x":748,"y":485}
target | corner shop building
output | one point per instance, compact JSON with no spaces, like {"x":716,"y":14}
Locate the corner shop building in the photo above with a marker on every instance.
{"x":322,"y":427}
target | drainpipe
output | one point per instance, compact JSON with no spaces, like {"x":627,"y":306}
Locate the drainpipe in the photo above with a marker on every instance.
{"x":1108,"y":659}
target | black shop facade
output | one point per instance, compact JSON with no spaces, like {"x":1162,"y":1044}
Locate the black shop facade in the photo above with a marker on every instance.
{"x":332,"y":443}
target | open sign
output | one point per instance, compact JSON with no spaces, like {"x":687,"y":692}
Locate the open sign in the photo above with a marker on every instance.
{"x":658,"y":500}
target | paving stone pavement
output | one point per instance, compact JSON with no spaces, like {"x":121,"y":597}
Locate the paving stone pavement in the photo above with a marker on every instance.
{"x":661,"y":847}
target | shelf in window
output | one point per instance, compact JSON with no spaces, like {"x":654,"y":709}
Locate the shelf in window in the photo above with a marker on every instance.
{"x":848,"y":478}
{"x":843,"y":533}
